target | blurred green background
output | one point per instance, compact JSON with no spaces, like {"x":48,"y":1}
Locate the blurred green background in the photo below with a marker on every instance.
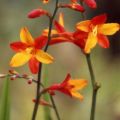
{"x":68,"y":59}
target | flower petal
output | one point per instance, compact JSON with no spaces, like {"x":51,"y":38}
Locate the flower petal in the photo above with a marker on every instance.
{"x":108,"y":28}
{"x":20,"y":59}
{"x":40,"y":42}
{"x":43,"y":57}
{"x":18,"y":46}
{"x":100,"y":19}
{"x":91,"y":3}
{"x":80,"y":34}
{"x":103,"y":41}
{"x":90,"y":43}
{"x":45,"y":32}
{"x":59,"y":27}
{"x":61,"y":20}
{"x":84,"y":25}
{"x":77,"y":95}
{"x":78,"y":84}
{"x":34,"y":65}
{"x":58,"y":40}
{"x":26,"y":37}
{"x":66,"y":79}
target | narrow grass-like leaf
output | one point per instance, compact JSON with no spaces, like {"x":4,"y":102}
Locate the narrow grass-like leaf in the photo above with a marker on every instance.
{"x":47,"y":114}
{"x":5,"y":101}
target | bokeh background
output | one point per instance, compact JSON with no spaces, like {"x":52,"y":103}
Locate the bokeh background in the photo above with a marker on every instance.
{"x":68,"y":59}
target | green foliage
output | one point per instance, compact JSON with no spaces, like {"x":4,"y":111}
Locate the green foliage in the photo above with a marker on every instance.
{"x":47,"y":115}
{"x":5,"y":101}
{"x":47,"y":109}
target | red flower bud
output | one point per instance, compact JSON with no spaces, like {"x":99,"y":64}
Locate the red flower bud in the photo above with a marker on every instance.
{"x":74,"y":6}
{"x":30,"y":81}
{"x":37,"y":13}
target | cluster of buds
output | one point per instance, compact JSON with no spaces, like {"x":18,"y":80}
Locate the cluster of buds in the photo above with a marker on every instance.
{"x":74,"y":5}
{"x":13,"y":75}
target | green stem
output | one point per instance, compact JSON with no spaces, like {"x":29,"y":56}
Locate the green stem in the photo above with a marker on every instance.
{"x":95,"y":87}
{"x":38,"y":94}
{"x":50,"y":25}
{"x":55,"y":108}
{"x":90,"y":69}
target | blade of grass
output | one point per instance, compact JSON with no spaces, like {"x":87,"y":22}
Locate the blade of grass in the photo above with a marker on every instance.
{"x":5,"y":101}
{"x":47,"y":114}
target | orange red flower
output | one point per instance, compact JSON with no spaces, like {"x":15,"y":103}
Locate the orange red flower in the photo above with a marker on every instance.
{"x":29,"y":50}
{"x":97,"y":29}
{"x":69,"y":87}
{"x":60,"y":35}
{"x":87,"y":35}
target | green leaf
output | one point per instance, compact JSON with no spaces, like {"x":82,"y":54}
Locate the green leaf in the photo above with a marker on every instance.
{"x":47,"y":114}
{"x":5,"y":101}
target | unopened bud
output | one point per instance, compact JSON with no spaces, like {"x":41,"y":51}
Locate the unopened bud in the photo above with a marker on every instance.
{"x":30,"y":81}
{"x":74,"y":6}
{"x":13,"y":77}
{"x":24,"y":75}
{"x":2,"y":75}
{"x":13,"y":72}
{"x":37,"y":13}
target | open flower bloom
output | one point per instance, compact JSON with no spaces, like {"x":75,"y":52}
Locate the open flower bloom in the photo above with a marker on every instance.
{"x":97,"y":29}
{"x":90,"y":3}
{"x":29,"y":50}
{"x":69,"y":87}
{"x":60,"y":35}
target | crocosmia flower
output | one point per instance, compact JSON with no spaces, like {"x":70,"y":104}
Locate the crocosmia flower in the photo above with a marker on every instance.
{"x":60,"y":35}
{"x":97,"y":29}
{"x":69,"y":87}
{"x":29,"y":50}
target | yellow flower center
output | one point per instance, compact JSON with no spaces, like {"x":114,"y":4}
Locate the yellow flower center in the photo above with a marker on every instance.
{"x":31,"y":50}
{"x":95,"y":30}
